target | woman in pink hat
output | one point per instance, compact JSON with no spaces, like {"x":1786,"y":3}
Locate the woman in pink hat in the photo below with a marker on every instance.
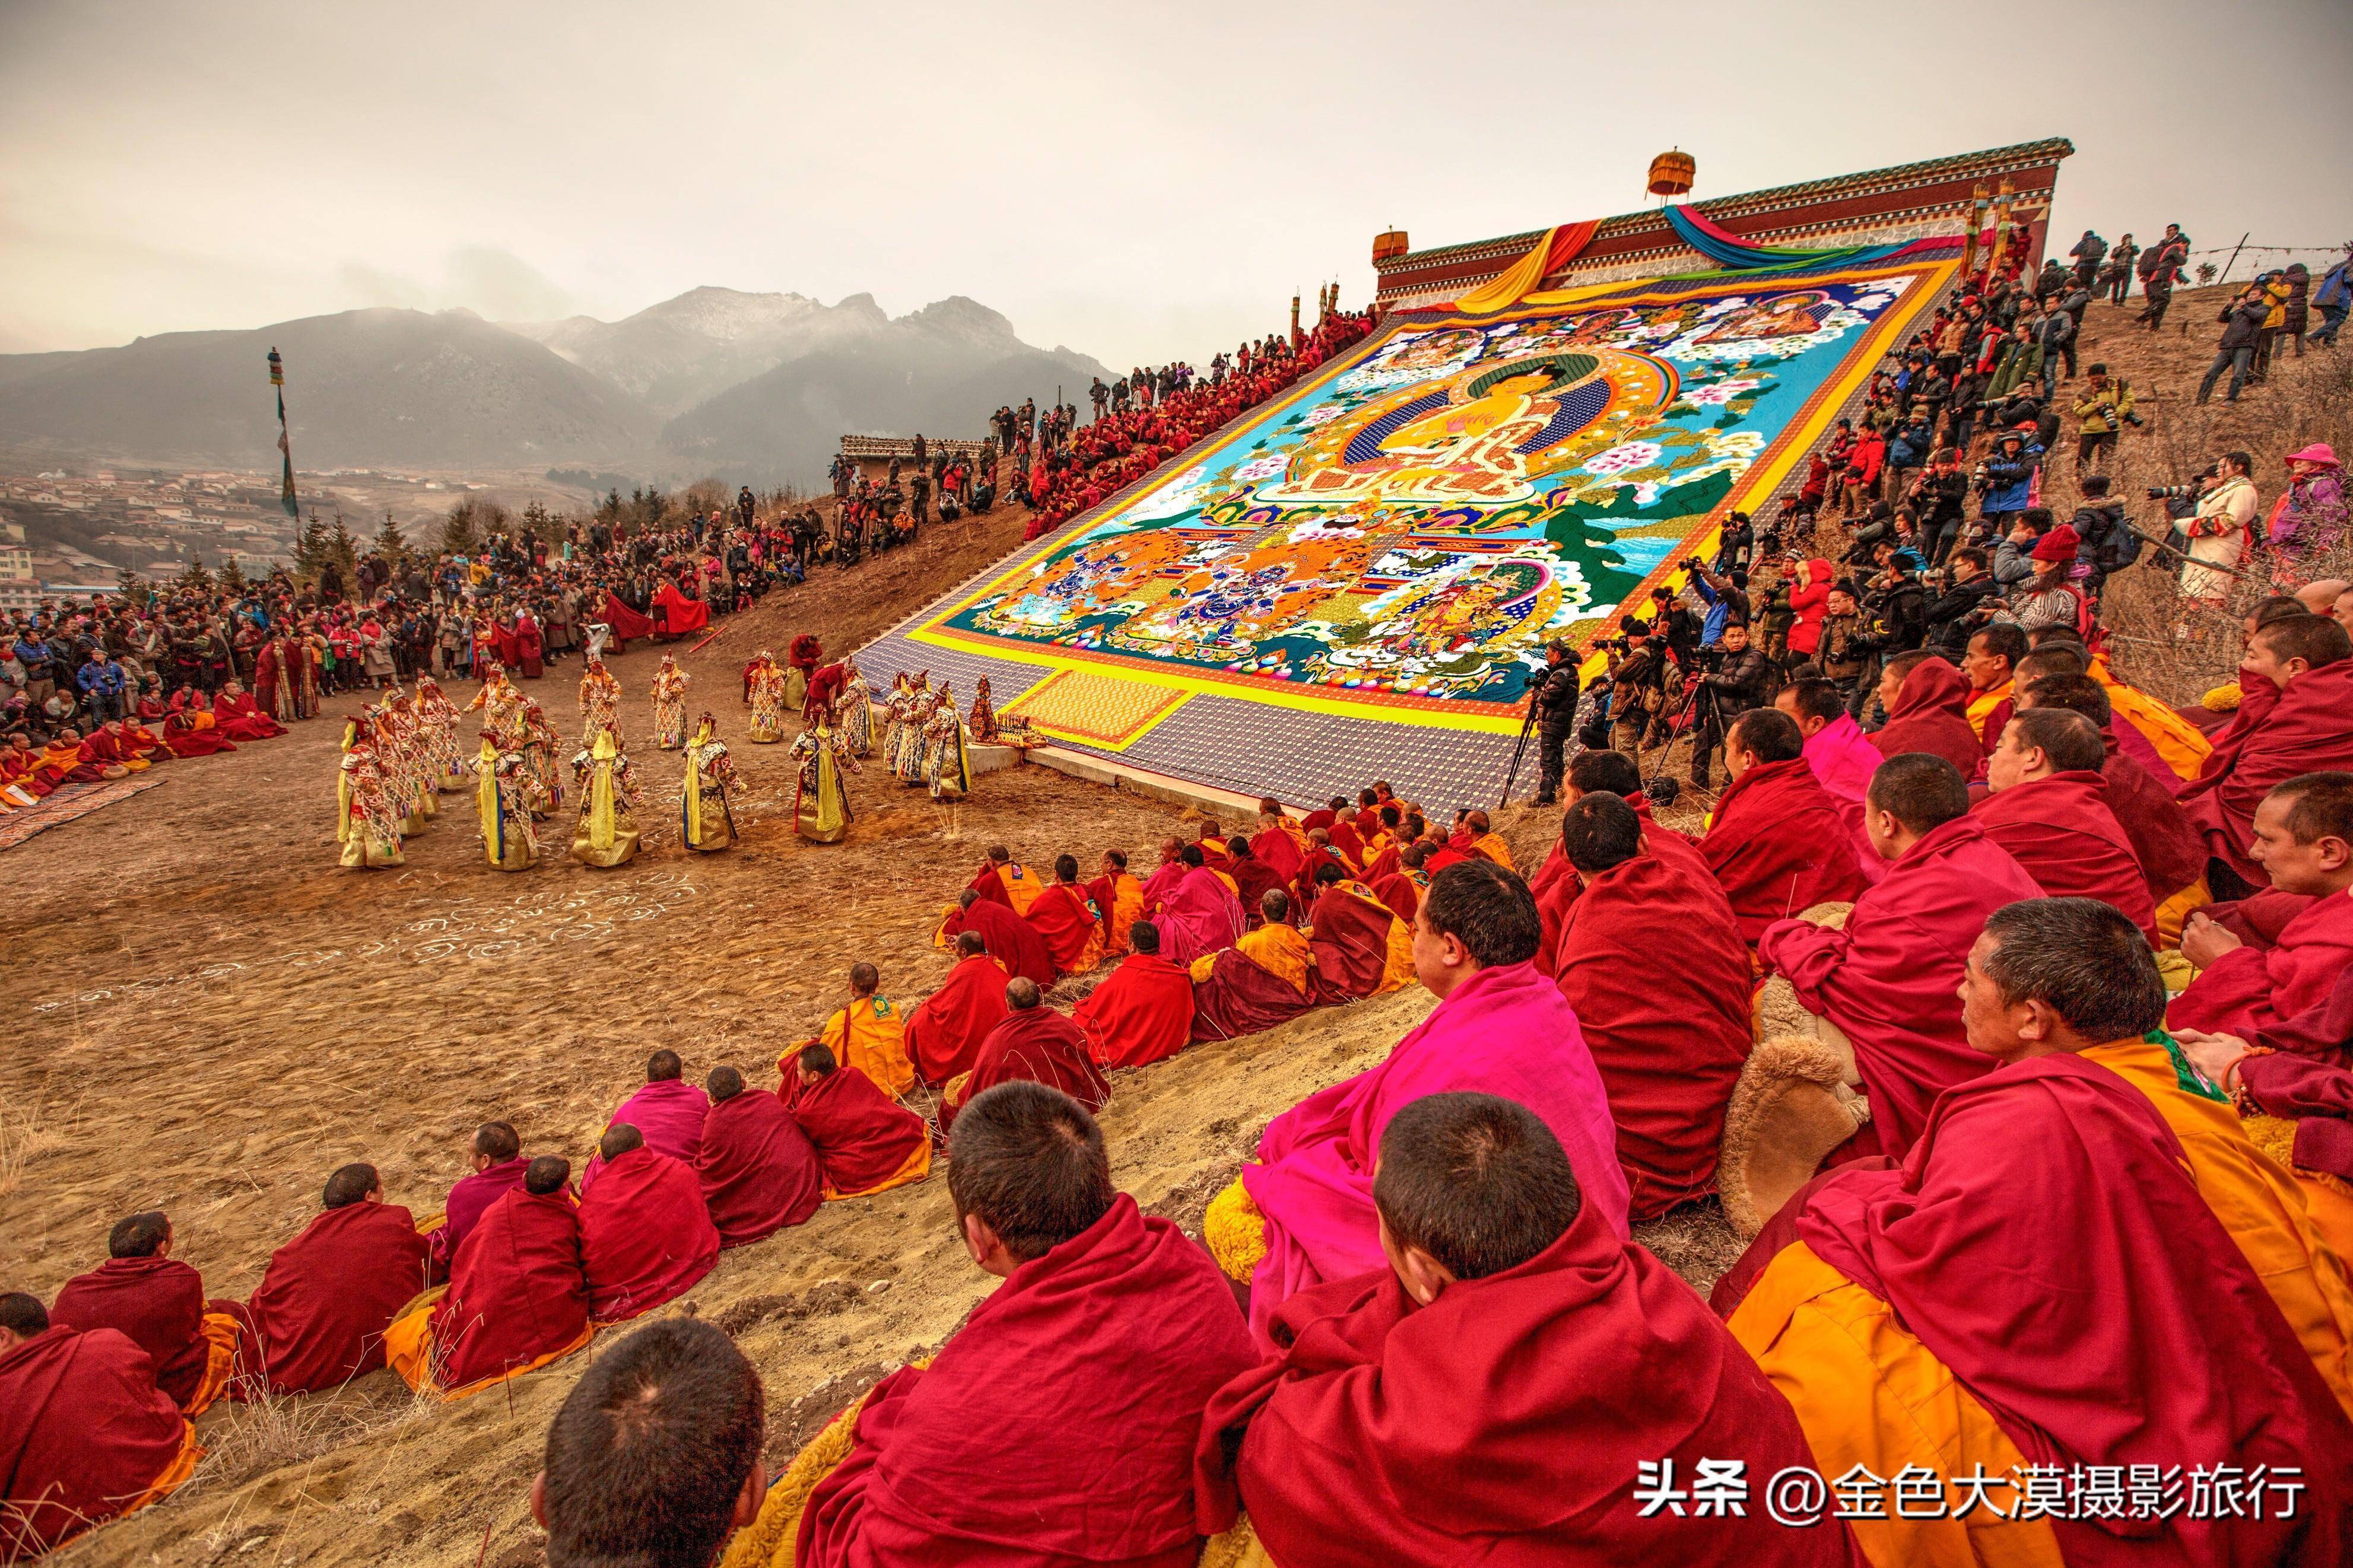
{"x":2309,"y":520}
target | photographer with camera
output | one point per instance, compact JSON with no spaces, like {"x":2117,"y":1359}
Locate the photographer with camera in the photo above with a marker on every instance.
{"x":1552,"y":702}
{"x":1638,"y":677}
{"x":2005,"y":480}
{"x":1741,"y":679}
{"x":1965,"y":602}
{"x":2101,"y":413}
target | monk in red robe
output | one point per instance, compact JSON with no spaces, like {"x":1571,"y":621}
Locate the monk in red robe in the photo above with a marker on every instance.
{"x":1070,"y":926}
{"x":1927,"y":710}
{"x":1142,"y":1011}
{"x":2308,"y":662}
{"x":865,"y":1141}
{"x":759,"y":1174}
{"x":1669,"y":1037}
{"x":1360,"y":948}
{"x":318,"y":1317}
{"x":669,"y":1112}
{"x":1033,"y":1042}
{"x":496,"y":1155}
{"x":1253,"y":877}
{"x":1118,"y":899}
{"x":645,"y":1236}
{"x":2303,"y":840}
{"x":85,"y":1434}
{"x":237,"y":716}
{"x":1890,"y":980}
{"x":157,"y":1302}
{"x":1265,"y":979}
{"x":1005,"y":880}
{"x":1012,"y":941}
{"x":1280,"y":842}
{"x":1379,"y":1431}
{"x":1400,"y":889}
{"x":1058,"y":1425}
{"x":2047,"y":811}
{"x":2171,"y":852}
{"x":1776,"y":842}
{"x":518,"y":1295}
{"x":2044,"y":1280}
{"x":946,"y":1030}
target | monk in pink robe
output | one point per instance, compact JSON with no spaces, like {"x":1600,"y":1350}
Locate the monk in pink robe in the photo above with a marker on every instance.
{"x":1891,"y":979}
{"x":669,"y":1111}
{"x":496,"y":1154}
{"x":1500,"y":1027}
{"x":1841,"y":755}
{"x":1199,"y":915}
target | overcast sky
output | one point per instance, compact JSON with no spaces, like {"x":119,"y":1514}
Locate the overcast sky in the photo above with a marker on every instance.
{"x":1136,"y":181}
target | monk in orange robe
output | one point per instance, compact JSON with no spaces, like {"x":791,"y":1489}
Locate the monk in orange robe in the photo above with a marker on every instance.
{"x":85,"y":1434}
{"x":1005,"y":880}
{"x":1361,"y":948}
{"x":1142,"y":1011}
{"x":1119,"y":899}
{"x":759,"y":1174}
{"x":1266,"y":978}
{"x":317,"y":1319}
{"x":944,"y":1032}
{"x":518,"y":1295}
{"x":157,"y":1302}
{"x":2052,"y":1192}
{"x":1071,"y":927}
{"x":1058,"y":1425}
{"x":865,"y":1141}
{"x":1034,"y":1042}
{"x":645,"y":1235}
{"x":868,"y":1033}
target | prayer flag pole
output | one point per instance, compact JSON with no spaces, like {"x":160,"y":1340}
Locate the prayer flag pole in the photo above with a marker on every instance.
{"x":285,"y":447}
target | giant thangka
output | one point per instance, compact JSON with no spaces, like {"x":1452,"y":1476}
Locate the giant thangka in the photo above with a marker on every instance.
{"x":1358,"y":579}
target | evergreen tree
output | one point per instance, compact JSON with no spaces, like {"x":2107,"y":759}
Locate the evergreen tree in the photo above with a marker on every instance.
{"x":132,"y":586}
{"x":391,"y":543}
{"x":193,"y":575}
{"x":310,"y":550}
{"x":345,"y":550}
{"x":459,"y":534}
{"x":233,"y":580}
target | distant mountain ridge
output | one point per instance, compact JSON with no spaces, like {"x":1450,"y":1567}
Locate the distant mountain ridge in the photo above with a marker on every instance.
{"x":748,"y":387}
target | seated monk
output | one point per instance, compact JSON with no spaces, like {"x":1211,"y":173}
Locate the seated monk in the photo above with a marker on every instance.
{"x":1265,"y":979}
{"x":1362,"y":949}
{"x":1669,"y":1037}
{"x":156,"y":1302}
{"x":85,"y":762}
{"x":2304,"y":842}
{"x":1323,"y":817}
{"x":108,"y":749}
{"x":1058,"y":1425}
{"x":1386,"y":847}
{"x":1033,"y":1042}
{"x":1990,"y":665}
{"x":2172,"y":853}
{"x":85,"y":1434}
{"x":1169,"y":871}
{"x":318,"y":1317}
{"x":1888,"y":980}
{"x":1476,"y":837}
{"x":28,"y":770}
{"x":867,"y":1034}
{"x":1280,"y":842}
{"x":1142,"y":1011}
{"x":1380,"y":1430}
{"x":944,"y":1032}
{"x":2307,"y":727}
{"x":141,"y":746}
{"x":654,"y":1456}
{"x":669,"y":1110}
{"x":1118,"y":899}
{"x":2047,"y":810}
{"x":1014,"y":941}
{"x":1253,"y":877}
{"x":518,"y":1295}
{"x":865,"y":1141}
{"x":496,"y":1156}
{"x":645,"y":1236}
{"x":1004,"y":880}
{"x":759,"y":1174}
{"x":2027,"y":984}
{"x":1200,"y":914}
{"x":1066,"y":922}
{"x":192,"y":732}
{"x":1557,"y":884}
{"x":2045,"y":1279}
{"x":1927,"y":710}
{"x":1400,"y":889}
{"x":1500,"y":1027}
{"x":238,"y":717}
{"x":1776,"y":842}
{"x":1211,"y":838}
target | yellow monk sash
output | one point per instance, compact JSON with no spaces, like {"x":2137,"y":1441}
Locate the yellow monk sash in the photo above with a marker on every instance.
{"x":1982,"y":705}
{"x":1282,"y":952}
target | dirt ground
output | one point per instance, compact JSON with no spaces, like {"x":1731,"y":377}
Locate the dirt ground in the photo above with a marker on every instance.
{"x":211,"y":1015}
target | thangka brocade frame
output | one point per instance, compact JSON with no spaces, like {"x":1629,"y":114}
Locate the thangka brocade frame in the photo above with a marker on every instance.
{"x":1398,"y":536}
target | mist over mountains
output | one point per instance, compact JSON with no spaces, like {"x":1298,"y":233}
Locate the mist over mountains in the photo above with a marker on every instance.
{"x":753,"y":388}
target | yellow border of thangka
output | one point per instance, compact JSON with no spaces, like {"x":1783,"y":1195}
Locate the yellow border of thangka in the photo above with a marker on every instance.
{"x":1763,"y":478}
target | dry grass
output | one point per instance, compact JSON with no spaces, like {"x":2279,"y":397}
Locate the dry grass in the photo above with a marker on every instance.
{"x":270,"y":1431}
{"x":29,"y":1130}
